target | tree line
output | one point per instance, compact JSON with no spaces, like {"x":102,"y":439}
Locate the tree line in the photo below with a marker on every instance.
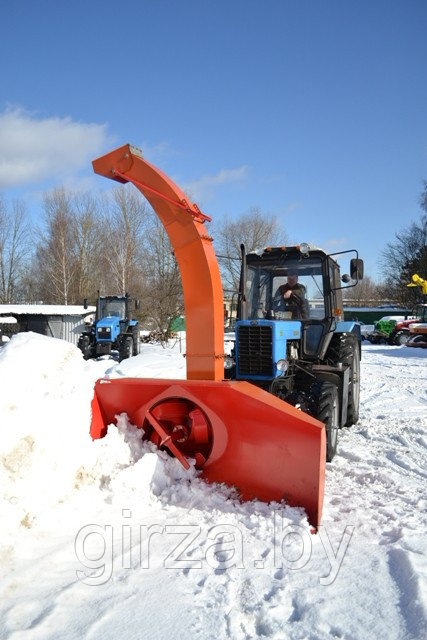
{"x":115,"y":243}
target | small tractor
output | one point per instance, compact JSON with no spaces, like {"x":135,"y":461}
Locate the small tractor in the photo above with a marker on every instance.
{"x":113,"y":329}
{"x":399,"y":332}
{"x":268,"y":428}
{"x":418,"y":328}
{"x":384,"y":331}
{"x":297,"y":346}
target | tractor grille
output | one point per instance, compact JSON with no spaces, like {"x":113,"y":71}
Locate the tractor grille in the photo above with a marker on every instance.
{"x":104,"y":334}
{"x":255,"y":350}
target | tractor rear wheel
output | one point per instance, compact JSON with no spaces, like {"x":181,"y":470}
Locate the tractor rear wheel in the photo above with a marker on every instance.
{"x":126,"y":348}
{"x":325,"y":406}
{"x":400,"y":337}
{"x":345,"y":348}
{"x":136,"y":342}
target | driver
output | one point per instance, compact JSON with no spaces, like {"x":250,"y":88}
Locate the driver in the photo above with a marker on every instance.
{"x":291,"y":296}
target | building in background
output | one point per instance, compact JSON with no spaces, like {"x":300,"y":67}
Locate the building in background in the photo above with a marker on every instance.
{"x":65,"y":322}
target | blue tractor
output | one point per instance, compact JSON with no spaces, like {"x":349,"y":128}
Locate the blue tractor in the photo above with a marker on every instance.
{"x":290,"y":336}
{"x":113,"y":329}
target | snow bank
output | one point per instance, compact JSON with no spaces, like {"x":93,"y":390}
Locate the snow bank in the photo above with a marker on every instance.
{"x":45,"y":449}
{"x":45,"y":409}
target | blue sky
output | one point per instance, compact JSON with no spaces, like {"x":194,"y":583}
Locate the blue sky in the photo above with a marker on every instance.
{"x":315,"y":111}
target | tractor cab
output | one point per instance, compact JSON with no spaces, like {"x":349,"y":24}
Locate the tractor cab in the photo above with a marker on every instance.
{"x":271,"y":272}
{"x":290,"y":304}
{"x":421,"y":312}
{"x":112,"y":306}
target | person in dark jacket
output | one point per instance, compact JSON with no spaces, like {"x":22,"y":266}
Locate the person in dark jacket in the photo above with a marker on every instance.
{"x":291,"y":296}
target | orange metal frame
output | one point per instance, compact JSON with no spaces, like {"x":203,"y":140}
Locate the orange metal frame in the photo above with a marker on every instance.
{"x":236,"y":432}
{"x":192,"y":245}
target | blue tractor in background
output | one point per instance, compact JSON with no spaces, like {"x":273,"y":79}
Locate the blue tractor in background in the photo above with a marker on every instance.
{"x":290,"y":336}
{"x":113,"y":329}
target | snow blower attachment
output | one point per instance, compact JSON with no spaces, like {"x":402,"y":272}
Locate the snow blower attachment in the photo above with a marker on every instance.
{"x":236,"y":432}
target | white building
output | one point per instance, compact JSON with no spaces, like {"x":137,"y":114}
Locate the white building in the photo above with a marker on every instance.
{"x":58,"y":321}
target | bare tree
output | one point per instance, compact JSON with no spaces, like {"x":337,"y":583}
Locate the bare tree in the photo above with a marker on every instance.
{"x":14,"y":246}
{"x":365,"y":292}
{"x":30,"y":284}
{"x":163,"y":299}
{"x":423,"y":197}
{"x":55,"y":249}
{"x":405,"y":256}
{"x":87,"y":229}
{"x":122,"y":240}
{"x":253,"y":229}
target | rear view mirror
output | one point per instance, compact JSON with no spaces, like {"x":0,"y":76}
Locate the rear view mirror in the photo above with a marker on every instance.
{"x":85,"y":303}
{"x":356,"y":269}
{"x":137,"y":304}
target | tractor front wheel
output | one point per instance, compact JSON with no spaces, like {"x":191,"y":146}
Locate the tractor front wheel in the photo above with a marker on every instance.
{"x":126,"y":348}
{"x":325,"y":406}
{"x":85,"y":346}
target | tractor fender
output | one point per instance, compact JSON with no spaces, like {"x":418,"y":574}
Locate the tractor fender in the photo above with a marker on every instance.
{"x":349,"y":326}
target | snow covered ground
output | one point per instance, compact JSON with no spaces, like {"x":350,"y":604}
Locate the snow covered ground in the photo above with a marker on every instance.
{"x":112,"y":539}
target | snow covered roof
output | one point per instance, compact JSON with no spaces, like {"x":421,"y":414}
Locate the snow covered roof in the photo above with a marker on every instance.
{"x":384,"y":308}
{"x":8,"y":320}
{"x":46,"y":309}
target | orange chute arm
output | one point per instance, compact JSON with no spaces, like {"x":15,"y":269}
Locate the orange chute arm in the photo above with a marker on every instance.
{"x":194,"y":252}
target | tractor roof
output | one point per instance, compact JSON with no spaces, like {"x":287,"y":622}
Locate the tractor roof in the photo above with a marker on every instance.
{"x":292,"y":249}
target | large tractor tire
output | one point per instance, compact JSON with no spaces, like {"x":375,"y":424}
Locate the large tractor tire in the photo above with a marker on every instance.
{"x":85,"y":346}
{"x":399,"y":338}
{"x":325,"y":406}
{"x":136,"y":342}
{"x":345,"y":348}
{"x":126,"y":348}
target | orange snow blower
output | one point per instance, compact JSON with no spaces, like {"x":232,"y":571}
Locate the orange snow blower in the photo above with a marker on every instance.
{"x":236,"y":432}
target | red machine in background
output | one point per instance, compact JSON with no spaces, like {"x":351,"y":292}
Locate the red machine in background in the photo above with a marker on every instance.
{"x":236,"y":432}
{"x":418,"y":328}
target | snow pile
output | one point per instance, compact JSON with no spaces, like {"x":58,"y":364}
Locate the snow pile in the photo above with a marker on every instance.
{"x":114,"y":539}
{"x":45,"y":450}
{"x":45,"y":408}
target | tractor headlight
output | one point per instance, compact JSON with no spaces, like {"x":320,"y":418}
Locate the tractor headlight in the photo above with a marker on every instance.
{"x":282,"y":365}
{"x":228,"y":362}
{"x":304,"y":248}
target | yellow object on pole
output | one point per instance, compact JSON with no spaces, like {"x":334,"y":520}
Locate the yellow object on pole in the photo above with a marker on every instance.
{"x":417,"y":281}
